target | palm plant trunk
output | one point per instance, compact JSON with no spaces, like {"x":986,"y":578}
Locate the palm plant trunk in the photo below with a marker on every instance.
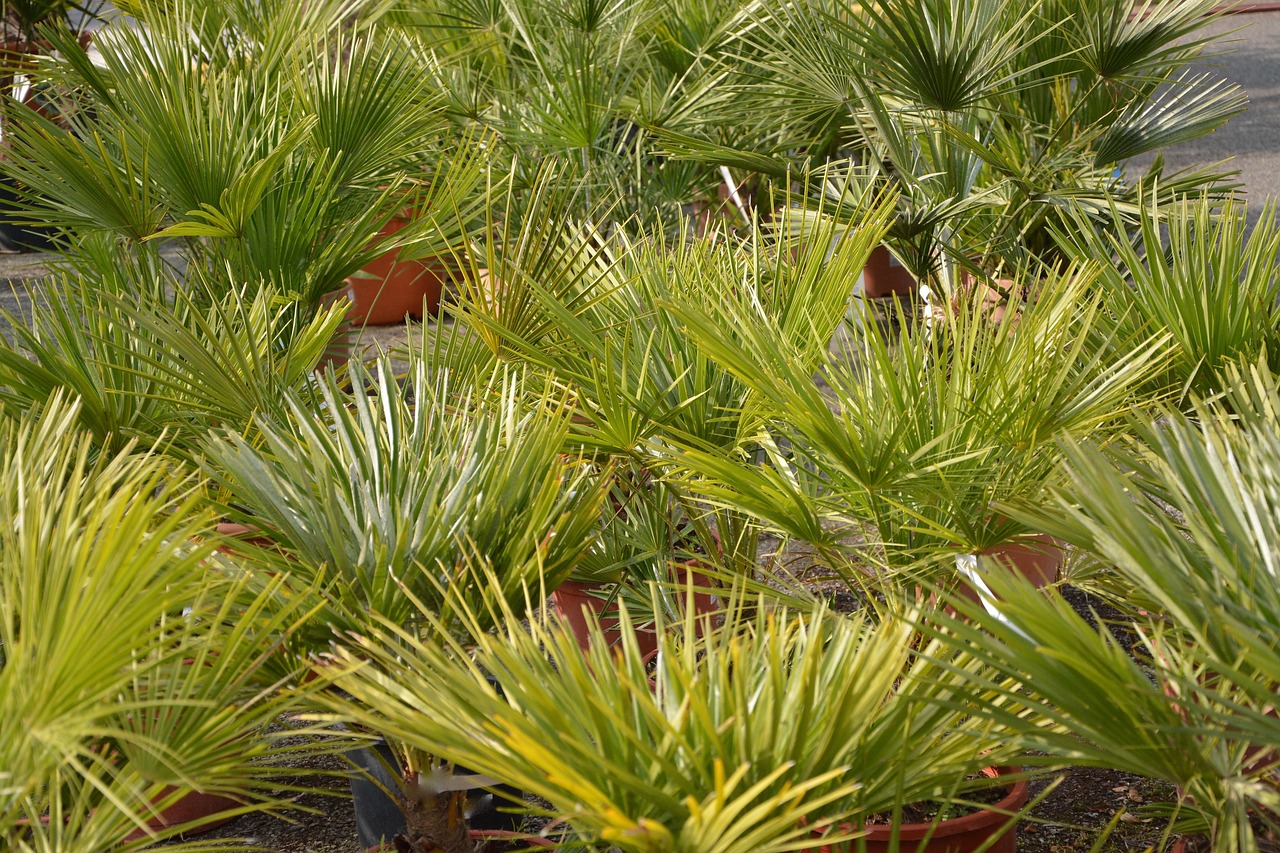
{"x":436,"y":823}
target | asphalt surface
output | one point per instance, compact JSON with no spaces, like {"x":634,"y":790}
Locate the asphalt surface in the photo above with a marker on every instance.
{"x":1249,"y":56}
{"x":1251,"y":141}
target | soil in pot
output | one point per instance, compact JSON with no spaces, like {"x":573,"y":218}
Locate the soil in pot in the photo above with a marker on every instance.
{"x":961,"y":834}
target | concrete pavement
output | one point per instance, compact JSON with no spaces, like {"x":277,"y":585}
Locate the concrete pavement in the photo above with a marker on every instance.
{"x":1250,"y":57}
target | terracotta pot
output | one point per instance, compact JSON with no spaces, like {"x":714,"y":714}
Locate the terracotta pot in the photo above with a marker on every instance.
{"x":995,"y":295}
{"x":962,"y":834}
{"x":390,"y":289}
{"x":572,"y":599}
{"x":1037,"y":558}
{"x":884,"y":275}
{"x":244,"y":533}
{"x":192,"y":806}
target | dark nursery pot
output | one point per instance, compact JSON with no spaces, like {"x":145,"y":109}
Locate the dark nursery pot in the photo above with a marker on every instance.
{"x":378,"y":815}
{"x":16,"y":237}
{"x":964,"y":834}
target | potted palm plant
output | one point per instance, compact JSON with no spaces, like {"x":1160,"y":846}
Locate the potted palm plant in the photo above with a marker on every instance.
{"x":1182,"y":527}
{"x":451,"y":495}
{"x":596,"y":314}
{"x":1191,"y":271}
{"x":992,"y":117}
{"x":159,"y":360}
{"x":277,"y":158}
{"x":602,"y":75}
{"x":751,"y":740}
{"x":135,"y":664}
{"x":911,"y":449}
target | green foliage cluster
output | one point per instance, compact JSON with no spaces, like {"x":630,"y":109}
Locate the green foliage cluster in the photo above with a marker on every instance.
{"x":224,"y":541}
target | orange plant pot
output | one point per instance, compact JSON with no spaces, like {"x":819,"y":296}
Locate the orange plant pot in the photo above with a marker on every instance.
{"x":389,"y":289}
{"x":885,"y":276}
{"x":573,"y":600}
{"x":190,"y":808}
{"x":964,"y":834}
{"x":1037,"y":558}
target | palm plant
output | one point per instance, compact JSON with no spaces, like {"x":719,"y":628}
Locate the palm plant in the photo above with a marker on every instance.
{"x":160,"y":361}
{"x":381,"y":501}
{"x":1192,"y":273}
{"x":1001,"y":111}
{"x":273,"y":142}
{"x":601,"y":324}
{"x":22,"y":27}
{"x":576,"y":83}
{"x":1197,"y":724}
{"x":911,"y":448}
{"x":134,"y":666}
{"x":1183,"y":528}
{"x":1187,"y":547}
{"x":742,"y":737}
{"x":450,"y":496}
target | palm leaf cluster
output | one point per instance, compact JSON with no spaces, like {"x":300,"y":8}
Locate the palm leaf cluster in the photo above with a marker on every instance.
{"x":992,"y":117}
{"x":652,"y":371}
{"x":122,"y":651}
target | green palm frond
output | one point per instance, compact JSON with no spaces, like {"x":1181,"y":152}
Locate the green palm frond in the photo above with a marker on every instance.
{"x":1206,"y":284}
{"x":1191,"y":107}
{"x":381,"y":501}
{"x":136,"y":668}
{"x":1137,"y":42}
{"x":926,"y":432}
{"x":683,"y":766}
{"x":1185,"y":715}
{"x":945,"y":55}
{"x":161,"y":369}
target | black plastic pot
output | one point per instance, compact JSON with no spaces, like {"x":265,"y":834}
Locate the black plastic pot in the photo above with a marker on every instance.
{"x":13,"y":236}
{"x":378,"y":815}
